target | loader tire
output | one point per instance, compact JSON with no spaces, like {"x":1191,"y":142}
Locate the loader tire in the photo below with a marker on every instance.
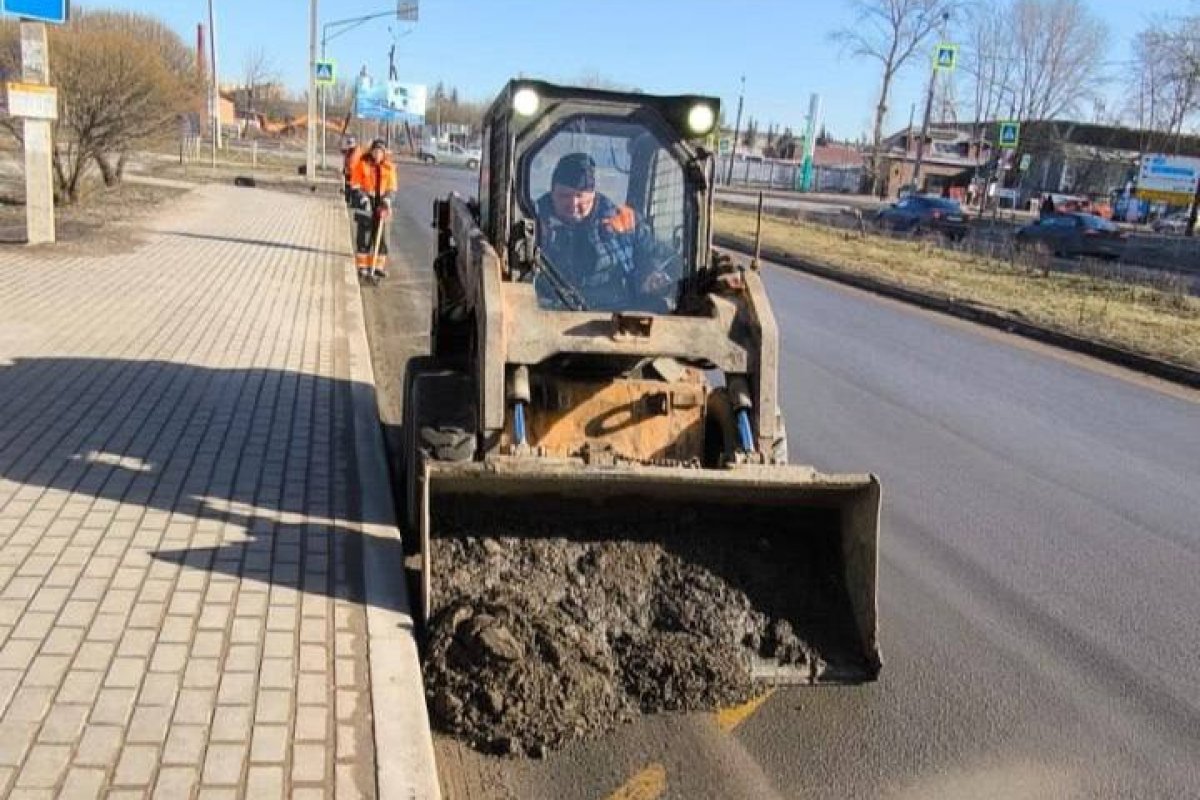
{"x":439,"y":424}
{"x":448,"y":443}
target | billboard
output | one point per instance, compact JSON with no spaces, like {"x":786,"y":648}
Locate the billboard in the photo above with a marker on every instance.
{"x":1168,"y":179}
{"x":390,"y":101}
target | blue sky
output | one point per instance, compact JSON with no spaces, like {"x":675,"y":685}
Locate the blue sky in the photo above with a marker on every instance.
{"x":701,"y":46}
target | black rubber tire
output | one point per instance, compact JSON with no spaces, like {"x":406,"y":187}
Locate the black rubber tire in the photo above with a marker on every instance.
{"x":439,"y":424}
{"x":472,"y":164}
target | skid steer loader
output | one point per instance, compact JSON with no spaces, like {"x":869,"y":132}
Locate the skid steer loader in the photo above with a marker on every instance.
{"x":645,"y":401}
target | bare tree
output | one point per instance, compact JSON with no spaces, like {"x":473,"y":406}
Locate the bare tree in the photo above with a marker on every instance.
{"x":1164,"y":86}
{"x":890,"y":32}
{"x":258,"y":72}
{"x":750,"y":135}
{"x":123,"y":78}
{"x":1054,"y":45}
{"x":985,"y":62}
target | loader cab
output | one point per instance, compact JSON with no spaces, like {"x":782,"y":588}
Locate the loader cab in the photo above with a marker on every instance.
{"x":645,"y":232}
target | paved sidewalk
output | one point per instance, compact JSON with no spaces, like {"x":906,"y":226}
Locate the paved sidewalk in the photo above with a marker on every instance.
{"x":183,"y":606}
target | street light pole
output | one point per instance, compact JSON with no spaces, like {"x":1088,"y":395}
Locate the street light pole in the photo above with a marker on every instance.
{"x":310,"y":163}
{"x":737,"y":127}
{"x":916,"y":175}
{"x":404,"y":12}
{"x":324,"y":104}
{"x":214,"y":85}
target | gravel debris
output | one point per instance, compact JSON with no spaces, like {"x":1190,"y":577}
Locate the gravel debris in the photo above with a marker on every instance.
{"x":558,"y":627}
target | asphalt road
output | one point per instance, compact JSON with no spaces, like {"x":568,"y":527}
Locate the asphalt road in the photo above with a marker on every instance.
{"x":1040,"y":608}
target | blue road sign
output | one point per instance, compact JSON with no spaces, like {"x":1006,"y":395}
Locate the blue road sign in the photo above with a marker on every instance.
{"x":40,"y":10}
{"x":945,"y":57}
{"x":325,"y":72}
{"x":1010,"y":135}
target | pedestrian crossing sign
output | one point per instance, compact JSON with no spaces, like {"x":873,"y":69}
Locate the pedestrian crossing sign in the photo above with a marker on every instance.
{"x":1010,"y":135}
{"x":325,"y":73}
{"x":945,"y":57}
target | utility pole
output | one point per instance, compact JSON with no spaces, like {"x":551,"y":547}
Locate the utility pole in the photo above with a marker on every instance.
{"x":916,"y":174}
{"x":214,"y":86}
{"x":324,"y":104}
{"x":737,"y":129}
{"x":310,"y":161}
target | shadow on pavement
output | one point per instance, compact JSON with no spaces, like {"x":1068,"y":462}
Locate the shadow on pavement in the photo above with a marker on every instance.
{"x":258,"y":242}
{"x":248,"y":472}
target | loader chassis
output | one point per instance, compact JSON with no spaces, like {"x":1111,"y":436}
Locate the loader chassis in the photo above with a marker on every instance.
{"x":535,"y":404}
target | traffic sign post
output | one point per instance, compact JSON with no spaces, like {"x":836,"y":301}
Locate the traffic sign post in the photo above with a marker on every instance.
{"x":37,"y":103}
{"x":37,"y":10}
{"x":945,"y":57}
{"x":326,"y":72}
{"x":1010,"y":135}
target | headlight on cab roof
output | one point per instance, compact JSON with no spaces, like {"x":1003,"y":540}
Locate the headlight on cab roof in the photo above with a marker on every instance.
{"x":526,"y":101}
{"x":700,"y":119}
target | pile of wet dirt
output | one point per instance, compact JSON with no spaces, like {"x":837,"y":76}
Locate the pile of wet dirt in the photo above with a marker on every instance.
{"x":543,"y":633}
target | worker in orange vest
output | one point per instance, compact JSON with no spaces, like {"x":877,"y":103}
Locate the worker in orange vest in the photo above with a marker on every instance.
{"x":371,"y":184}
{"x":351,"y":155}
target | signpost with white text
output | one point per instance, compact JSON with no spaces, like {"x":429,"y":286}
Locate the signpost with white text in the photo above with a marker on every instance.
{"x":33,"y":99}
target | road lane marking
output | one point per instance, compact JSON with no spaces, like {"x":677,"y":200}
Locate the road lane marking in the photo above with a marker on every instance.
{"x":730,"y":718}
{"x":646,"y":784}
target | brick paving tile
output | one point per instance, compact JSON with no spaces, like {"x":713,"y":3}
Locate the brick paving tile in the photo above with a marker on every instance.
{"x":166,"y":558}
{"x":175,"y":782}
{"x":64,"y":724}
{"x":44,"y":765}
{"x":99,"y":746}
{"x":270,"y":743}
{"x":82,"y":784}
{"x":185,"y":744}
{"x":136,"y":766}
{"x":223,"y":763}
{"x":265,"y":782}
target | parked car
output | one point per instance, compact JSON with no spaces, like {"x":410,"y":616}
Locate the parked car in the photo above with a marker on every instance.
{"x":1074,"y":235}
{"x":451,"y":154}
{"x":917,"y":214}
{"x":1171,"y":223}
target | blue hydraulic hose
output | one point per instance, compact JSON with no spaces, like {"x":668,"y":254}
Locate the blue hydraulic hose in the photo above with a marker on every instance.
{"x":745,"y":434}
{"x":519,"y":421}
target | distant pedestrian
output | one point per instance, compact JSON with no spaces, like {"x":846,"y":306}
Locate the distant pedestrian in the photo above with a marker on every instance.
{"x":372,"y":184}
{"x":1047,"y":209}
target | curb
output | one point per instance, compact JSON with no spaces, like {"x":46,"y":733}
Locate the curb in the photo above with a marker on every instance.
{"x":404,"y":756}
{"x":994,"y":319}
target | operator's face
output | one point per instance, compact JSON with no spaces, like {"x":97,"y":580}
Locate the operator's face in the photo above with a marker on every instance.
{"x":572,"y":205}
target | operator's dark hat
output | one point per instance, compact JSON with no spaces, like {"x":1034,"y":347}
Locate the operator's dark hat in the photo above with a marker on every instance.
{"x":575,"y":171}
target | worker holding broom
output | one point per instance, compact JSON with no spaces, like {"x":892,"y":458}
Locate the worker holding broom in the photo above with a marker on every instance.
{"x":371,"y":183}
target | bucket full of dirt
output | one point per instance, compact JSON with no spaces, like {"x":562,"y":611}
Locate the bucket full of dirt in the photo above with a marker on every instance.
{"x":561,"y":599}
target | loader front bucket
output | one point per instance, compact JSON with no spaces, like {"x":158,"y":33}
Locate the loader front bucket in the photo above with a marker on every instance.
{"x":802,"y":547}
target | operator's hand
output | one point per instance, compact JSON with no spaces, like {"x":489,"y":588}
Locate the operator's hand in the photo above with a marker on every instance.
{"x":384,"y":212}
{"x":656,"y":282}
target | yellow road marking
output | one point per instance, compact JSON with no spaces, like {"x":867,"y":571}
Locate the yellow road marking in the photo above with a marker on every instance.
{"x":730,"y":718}
{"x":646,"y":784}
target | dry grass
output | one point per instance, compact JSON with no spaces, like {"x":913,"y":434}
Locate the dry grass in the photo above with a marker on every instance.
{"x":1161,"y":322}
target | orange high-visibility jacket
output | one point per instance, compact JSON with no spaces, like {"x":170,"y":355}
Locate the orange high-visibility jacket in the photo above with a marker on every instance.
{"x":350,"y":161}
{"x":376,"y":179}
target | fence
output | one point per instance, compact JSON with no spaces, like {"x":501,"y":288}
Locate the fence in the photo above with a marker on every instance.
{"x":769,"y":173}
